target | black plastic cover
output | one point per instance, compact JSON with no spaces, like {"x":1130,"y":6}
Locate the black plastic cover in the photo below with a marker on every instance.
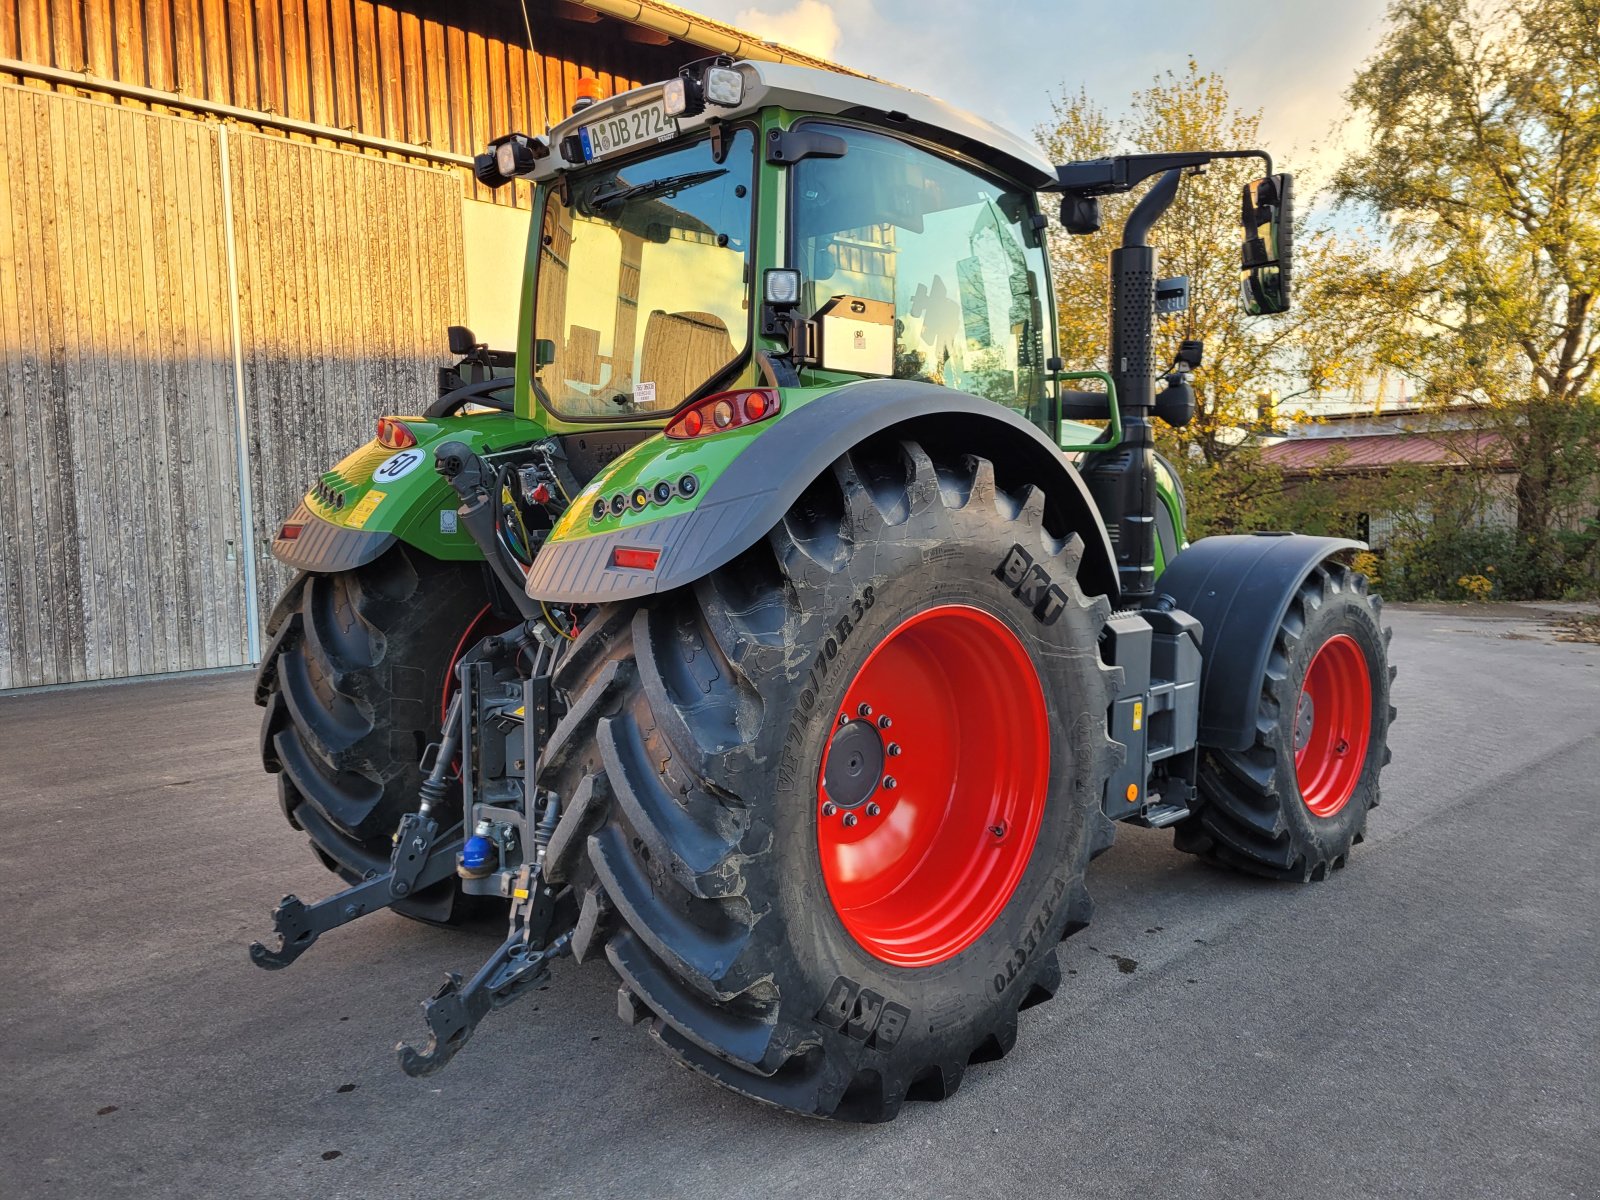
{"x":1239,"y":587}
{"x":324,"y":546}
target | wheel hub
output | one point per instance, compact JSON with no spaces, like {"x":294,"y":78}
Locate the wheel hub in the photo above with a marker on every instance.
{"x":854,"y":764}
{"x":1303,"y":721}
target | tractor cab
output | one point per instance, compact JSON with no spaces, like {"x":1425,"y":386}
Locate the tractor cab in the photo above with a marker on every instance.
{"x":753,"y":221}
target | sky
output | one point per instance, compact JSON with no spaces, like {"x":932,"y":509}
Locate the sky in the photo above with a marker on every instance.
{"x":1005,"y":59}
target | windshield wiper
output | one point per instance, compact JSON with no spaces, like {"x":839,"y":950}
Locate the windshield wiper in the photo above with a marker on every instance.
{"x":669,"y":185}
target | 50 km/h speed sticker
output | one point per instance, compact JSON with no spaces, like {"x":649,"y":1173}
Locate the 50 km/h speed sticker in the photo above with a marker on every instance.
{"x":398,"y":466}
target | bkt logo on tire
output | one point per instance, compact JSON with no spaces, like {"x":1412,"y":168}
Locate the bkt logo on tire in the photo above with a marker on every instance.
{"x":863,"y":1014}
{"x":1031,"y":584}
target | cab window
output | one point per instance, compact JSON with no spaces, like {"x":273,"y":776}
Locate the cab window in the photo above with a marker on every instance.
{"x":954,"y":252}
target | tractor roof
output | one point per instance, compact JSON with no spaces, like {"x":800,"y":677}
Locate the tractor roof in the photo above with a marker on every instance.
{"x":808,"y":90}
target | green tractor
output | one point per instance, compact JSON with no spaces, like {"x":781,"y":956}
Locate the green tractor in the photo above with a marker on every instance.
{"x":796,"y":631}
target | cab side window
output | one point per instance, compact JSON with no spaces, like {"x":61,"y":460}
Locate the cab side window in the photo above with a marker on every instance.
{"x":953,"y":251}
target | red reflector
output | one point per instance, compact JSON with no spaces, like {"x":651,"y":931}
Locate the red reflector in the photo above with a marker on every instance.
{"x":639,"y":560}
{"x":394,"y":434}
{"x":289,"y":532}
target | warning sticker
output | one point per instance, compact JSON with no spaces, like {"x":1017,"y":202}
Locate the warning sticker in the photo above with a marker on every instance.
{"x":363,"y":510}
{"x":644,"y":394}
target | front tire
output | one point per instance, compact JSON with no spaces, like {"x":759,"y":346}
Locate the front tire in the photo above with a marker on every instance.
{"x":704,"y":833}
{"x":1293,"y":804}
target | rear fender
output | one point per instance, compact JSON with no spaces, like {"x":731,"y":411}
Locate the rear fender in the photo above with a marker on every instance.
{"x":1239,"y":586}
{"x":378,"y":496}
{"x":772,"y":467}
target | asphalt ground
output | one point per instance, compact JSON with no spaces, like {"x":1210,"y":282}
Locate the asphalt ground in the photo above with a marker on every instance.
{"x":1425,"y":1023}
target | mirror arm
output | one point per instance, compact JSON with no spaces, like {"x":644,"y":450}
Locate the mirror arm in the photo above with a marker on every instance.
{"x":1124,"y":172}
{"x":1150,"y":208}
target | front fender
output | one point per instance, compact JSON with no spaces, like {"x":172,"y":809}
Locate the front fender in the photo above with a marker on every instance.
{"x":1239,"y":586}
{"x":771,"y":470}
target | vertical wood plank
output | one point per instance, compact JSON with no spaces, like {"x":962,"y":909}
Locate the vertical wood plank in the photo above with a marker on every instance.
{"x":296,"y":63}
{"x":188,"y":50}
{"x":437,"y":84}
{"x":11,"y":43}
{"x":269,"y":57}
{"x":127,"y":38}
{"x":389,"y":71}
{"x":319,"y":34}
{"x":413,"y":75}
{"x":366,"y":58}
{"x":214,"y":42}
{"x":66,"y":36}
{"x":342,"y":41}
{"x":242,"y":84}
{"x":159,"y":67}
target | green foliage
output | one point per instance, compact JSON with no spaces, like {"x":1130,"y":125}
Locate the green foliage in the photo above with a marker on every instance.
{"x":1484,"y":159}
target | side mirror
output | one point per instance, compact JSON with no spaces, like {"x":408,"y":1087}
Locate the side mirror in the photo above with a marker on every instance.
{"x":544,"y":352}
{"x":462,"y":340}
{"x":1267,"y":213}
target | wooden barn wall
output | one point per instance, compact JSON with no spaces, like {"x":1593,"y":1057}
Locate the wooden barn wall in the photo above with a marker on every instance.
{"x":121,"y":542}
{"x":348,"y":279}
{"x":119,"y":510}
{"x":444,"y":76}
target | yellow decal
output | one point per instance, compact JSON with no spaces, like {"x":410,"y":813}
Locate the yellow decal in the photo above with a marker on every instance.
{"x":1138,"y":705}
{"x":360,"y":513}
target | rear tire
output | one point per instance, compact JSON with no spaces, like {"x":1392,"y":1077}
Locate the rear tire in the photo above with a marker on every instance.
{"x":690,"y":756}
{"x":1260,"y":811}
{"x":352,"y":681}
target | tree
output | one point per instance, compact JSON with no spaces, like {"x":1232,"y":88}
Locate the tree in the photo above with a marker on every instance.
{"x":1484,"y":162}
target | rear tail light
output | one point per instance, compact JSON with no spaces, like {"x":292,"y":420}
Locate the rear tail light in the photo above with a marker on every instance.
{"x":724,"y":411}
{"x":290,"y":532}
{"x":393,"y":433}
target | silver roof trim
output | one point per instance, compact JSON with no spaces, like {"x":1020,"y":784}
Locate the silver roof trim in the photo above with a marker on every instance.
{"x":806,"y":89}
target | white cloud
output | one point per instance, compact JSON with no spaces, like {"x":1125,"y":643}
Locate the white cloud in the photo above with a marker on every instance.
{"x":810,"y":25}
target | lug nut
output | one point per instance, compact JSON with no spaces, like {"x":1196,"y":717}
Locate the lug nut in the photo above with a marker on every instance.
{"x":849,"y":820}
{"x":884,"y":722}
{"x":894,"y":749}
{"x":873,"y":810}
{"x":864,"y":709}
{"x":829,"y":809}
{"x":844,"y":718}
{"x":889,"y":781}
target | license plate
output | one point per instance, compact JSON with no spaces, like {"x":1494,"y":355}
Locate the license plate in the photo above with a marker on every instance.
{"x":631,"y":127}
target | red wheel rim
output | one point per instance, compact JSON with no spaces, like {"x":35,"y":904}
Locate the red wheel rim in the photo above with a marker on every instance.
{"x":1333,"y":724}
{"x":932,"y":787}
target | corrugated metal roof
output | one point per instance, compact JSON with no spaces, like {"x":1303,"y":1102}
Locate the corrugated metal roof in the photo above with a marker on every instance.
{"x":1383,"y":451}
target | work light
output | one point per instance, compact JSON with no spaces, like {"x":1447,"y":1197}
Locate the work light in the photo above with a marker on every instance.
{"x":507,"y":157}
{"x":782,"y":286}
{"x":676,"y":100}
{"x":723,"y":86}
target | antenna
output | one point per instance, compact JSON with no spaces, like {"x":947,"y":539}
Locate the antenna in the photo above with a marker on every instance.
{"x":538,"y":64}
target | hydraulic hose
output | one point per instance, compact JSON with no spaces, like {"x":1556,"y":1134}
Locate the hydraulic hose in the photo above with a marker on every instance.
{"x":471,"y":477}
